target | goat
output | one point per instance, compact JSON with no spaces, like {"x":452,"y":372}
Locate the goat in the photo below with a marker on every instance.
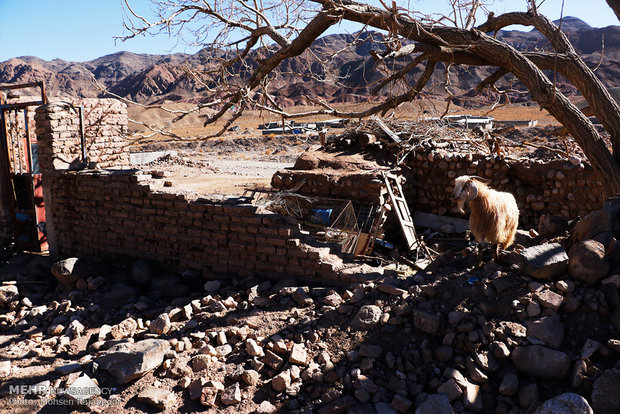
{"x":494,"y":214}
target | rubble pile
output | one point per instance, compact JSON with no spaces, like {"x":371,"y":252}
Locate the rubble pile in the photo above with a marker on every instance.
{"x":537,"y":332}
{"x":430,"y":156}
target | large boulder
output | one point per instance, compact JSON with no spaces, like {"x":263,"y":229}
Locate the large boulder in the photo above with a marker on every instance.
{"x":63,"y":271}
{"x":541,"y":362}
{"x":543,"y":261}
{"x":606,"y":393}
{"x":567,"y":403}
{"x":70,"y":270}
{"x":128,"y":361}
{"x":587,"y":262}
{"x":546,"y":329}
{"x":590,"y":226}
{"x":549,"y":224}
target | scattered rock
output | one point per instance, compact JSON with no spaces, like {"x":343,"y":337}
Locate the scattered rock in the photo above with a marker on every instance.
{"x":472,"y":399}
{"x":156,"y":397}
{"x":5,"y":368}
{"x":231,"y":395}
{"x":212,"y":286}
{"x":82,"y":389}
{"x":253,"y":349}
{"x":366,"y":317}
{"x":266,"y":408}
{"x":451,"y":389}
{"x":124,"y":329}
{"x":550,"y":299}
{"x":587,"y":262}
{"x":552,"y":225}
{"x":541,"y":362}
{"x":75,"y":329}
{"x":8,"y":294}
{"x":332,"y":299}
{"x":281,"y":381}
{"x":301,"y":297}
{"x":528,"y":396}
{"x":426,"y":321}
{"x":567,"y":403}
{"x":606,"y":393}
{"x":273,"y":360}
{"x":127,"y":361}
{"x":590,"y":226}
{"x":63,"y":271}
{"x":200,"y":362}
{"x":372,"y":351}
{"x":400,"y":403}
{"x":298,"y":354}
{"x":67,"y":369}
{"x":435,"y":404}
{"x":160,"y":325}
{"x":546,"y":329}
{"x":250,"y":377}
{"x":509,"y":385}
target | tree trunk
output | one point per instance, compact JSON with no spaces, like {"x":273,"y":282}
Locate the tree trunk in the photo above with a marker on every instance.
{"x":505,"y":56}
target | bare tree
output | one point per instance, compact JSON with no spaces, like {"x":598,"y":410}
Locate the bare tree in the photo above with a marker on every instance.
{"x":248,"y":41}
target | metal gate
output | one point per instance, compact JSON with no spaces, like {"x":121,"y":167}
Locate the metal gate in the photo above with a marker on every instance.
{"x":21,"y":179}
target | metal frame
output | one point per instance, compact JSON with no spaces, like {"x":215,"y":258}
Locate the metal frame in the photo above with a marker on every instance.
{"x":5,"y":161}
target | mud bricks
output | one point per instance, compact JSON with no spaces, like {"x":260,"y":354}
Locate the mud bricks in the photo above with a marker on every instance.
{"x":105,"y":129}
{"x":114,"y":214}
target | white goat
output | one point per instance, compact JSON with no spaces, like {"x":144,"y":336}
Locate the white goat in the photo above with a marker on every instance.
{"x":494,"y":214}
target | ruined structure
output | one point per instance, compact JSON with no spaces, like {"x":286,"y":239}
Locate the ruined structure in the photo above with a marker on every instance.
{"x":114,"y":214}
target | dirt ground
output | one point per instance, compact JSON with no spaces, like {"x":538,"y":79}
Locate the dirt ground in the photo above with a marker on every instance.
{"x":244,"y":158}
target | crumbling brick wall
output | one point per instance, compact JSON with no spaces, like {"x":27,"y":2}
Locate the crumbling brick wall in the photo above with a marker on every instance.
{"x":114,"y":214}
{"x":105,"y":128}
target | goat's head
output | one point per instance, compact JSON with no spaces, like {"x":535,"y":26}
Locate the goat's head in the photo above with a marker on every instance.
{"x":465,"y":189}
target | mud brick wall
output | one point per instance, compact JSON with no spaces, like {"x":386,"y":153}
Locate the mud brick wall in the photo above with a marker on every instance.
{"x":105,"y":128}
{"x":114,"y":214}
{"x":541,"y":187}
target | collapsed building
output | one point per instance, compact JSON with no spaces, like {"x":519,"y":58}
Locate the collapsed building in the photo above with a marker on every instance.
{"x":111,"y":211}
{"x":436,"y":340}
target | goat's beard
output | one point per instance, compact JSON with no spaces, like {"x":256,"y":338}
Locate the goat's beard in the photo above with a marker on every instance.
{"x":460,"y":204}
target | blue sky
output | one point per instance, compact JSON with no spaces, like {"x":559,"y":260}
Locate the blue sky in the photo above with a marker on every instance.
{"x":79,"y":30}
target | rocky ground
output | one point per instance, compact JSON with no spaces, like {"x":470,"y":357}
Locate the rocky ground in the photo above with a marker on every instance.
{"x":80,"y":336}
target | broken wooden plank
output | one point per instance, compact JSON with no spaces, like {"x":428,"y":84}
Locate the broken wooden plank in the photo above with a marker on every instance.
{"x":444,"y":224}
{"x":387,"y":130}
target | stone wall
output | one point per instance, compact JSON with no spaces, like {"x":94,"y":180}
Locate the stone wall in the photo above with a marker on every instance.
{"x":114,"y":214}
{"x":557,"y":187}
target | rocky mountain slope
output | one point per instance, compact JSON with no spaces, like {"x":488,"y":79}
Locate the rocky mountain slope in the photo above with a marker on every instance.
{"x":153,"y":78}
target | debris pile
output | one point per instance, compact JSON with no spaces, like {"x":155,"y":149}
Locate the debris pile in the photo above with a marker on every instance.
{"x":539,"y":333}
{"x":429,"y":156}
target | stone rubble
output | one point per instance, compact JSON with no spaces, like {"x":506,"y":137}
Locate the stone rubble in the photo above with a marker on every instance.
{"x":451,"y":339}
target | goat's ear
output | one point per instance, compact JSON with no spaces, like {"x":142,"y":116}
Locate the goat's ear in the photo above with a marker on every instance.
{"x":473,"y":190}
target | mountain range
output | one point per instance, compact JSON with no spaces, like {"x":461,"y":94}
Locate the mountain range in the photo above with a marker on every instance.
{"x":345,"y":75}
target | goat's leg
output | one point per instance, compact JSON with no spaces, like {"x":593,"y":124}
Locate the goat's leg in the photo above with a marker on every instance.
{"x":496,"y":253}
{"x":480,"y":254}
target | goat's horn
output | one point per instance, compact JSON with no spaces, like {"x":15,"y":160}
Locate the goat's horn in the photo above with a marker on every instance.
{"x":486,"y":180}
